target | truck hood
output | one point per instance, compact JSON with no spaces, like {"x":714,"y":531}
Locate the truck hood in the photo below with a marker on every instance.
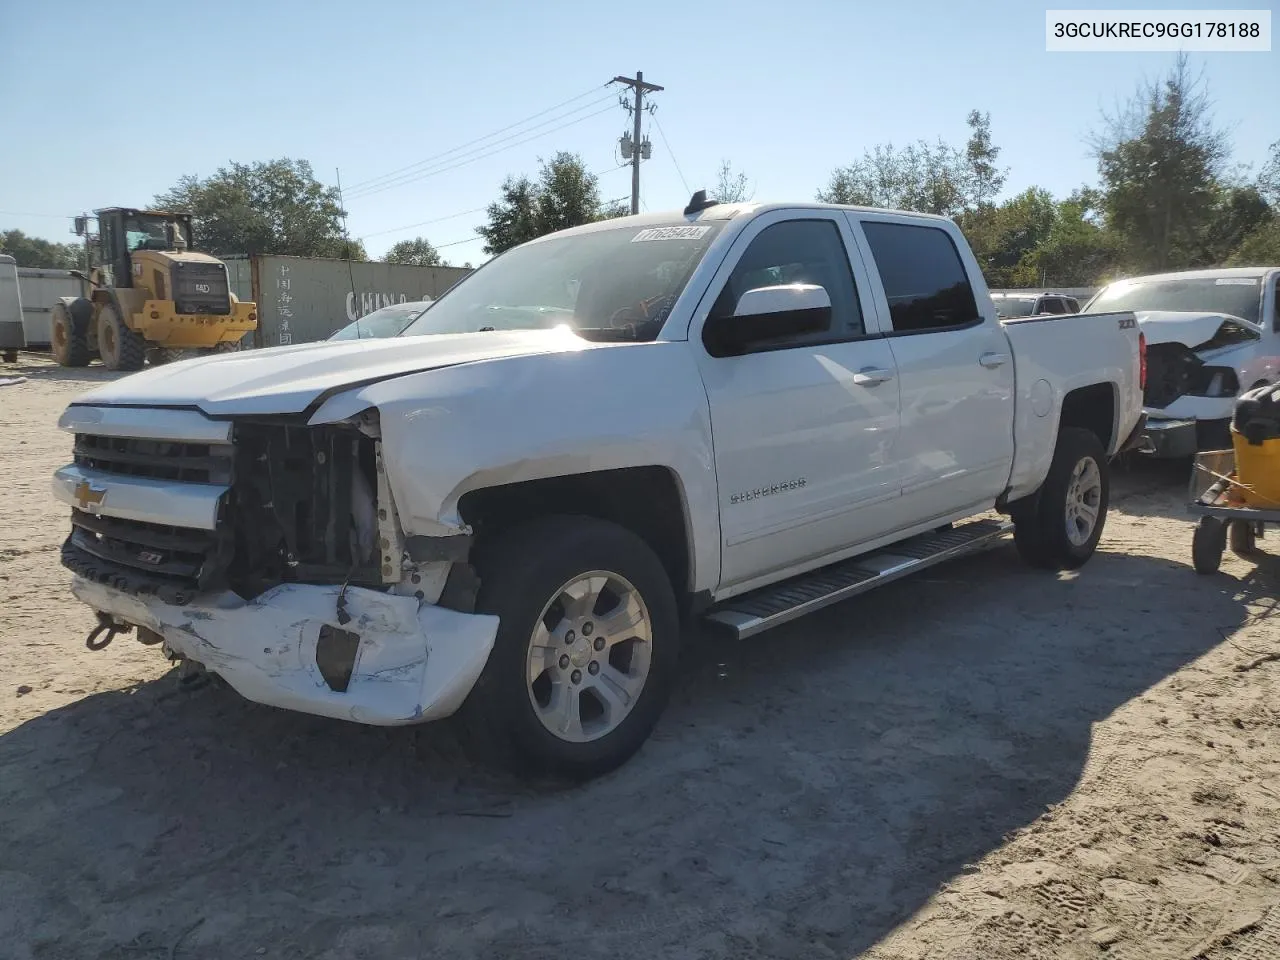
{"x":285,"y":380}
{"x":1191,"y":329}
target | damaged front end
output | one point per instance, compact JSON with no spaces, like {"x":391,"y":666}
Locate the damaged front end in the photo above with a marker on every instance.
{"x":270,"y":551}
{"x":1195,"y":368}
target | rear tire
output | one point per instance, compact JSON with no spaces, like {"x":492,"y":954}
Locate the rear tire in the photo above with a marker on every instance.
{"x":1242,"y":539}
{"x":69,"y":333}
{"x":119,"y":347}
{"x":1060,"y":527}
{"x":604,"y":683}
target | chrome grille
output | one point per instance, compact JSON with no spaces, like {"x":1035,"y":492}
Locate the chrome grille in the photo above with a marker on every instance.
{"x":158,"y":459}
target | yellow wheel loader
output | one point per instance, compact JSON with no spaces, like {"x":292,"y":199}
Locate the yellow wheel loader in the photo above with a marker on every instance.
{"x":150,"y":296}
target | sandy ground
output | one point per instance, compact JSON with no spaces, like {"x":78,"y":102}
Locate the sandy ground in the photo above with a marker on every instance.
{"x":985,"y":762}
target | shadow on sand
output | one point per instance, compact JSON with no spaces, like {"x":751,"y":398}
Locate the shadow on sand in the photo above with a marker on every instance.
{"x":805,"y":792}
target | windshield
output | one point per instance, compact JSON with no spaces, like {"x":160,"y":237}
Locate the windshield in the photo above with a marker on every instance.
{"x":1014,"y":306}
{"x":386,"y":322}
{"x":614,"y":284}
{"x":149,"y":233}
{"x":1236,"y":296}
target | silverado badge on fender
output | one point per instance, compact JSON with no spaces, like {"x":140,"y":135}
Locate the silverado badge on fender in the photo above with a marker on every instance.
{"x":768,"y":491}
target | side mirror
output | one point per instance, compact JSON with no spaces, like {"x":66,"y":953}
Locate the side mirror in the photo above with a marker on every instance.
{"x":767,"y":313}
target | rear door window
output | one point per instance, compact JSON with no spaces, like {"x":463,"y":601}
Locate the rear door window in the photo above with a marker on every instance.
{"x":924,"y":278}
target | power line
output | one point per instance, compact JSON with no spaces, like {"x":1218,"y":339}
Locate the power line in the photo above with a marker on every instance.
{"x":409,"y":173}
{"x":47,"y":216}
{"x":672,"y":154}
{"x":483,"y":156}
{"x":488,"y":136}
{"x":423,"y":223}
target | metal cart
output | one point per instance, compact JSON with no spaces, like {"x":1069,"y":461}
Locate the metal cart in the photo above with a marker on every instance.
{"x":1224,"y":519}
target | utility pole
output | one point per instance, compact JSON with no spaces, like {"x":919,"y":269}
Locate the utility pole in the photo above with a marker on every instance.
{"x":640,"y":87}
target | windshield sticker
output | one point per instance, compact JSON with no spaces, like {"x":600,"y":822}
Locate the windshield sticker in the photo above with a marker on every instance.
{"x":670,"y":233}
{"x":1235,"y":282}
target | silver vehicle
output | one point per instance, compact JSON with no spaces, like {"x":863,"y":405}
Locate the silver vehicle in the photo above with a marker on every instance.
{"x":388,"y":321}
{"x":1034,"y":304}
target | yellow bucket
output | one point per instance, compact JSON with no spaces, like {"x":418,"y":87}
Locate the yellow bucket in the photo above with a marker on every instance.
{"x":1258,"y":471}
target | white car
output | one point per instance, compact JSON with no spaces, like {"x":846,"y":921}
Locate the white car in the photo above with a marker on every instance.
{"x":740,"y":413}
{"x":1211,"y":335}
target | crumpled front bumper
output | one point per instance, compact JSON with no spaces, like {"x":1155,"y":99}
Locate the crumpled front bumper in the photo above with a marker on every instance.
{"x":396,"y":661}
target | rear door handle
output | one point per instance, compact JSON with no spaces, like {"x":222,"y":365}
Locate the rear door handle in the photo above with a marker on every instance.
{"x":872,"y":376}
{"x":993,"y":360}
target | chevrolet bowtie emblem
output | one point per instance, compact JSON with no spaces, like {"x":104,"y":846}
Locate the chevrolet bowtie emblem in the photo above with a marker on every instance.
{"x":87,"y":494}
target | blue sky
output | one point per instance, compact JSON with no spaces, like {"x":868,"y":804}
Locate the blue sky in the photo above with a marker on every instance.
{"x":786,"y":91}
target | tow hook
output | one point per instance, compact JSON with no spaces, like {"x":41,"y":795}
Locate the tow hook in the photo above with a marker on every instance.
{"x":108,"y":625}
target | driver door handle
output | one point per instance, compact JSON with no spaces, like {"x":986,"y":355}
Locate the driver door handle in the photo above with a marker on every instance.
{"x":872,"y":376}
{"x":993,"y":360}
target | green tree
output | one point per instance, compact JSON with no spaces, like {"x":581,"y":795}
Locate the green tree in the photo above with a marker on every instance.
{"x":564,"y":195}
{"x":731,"y":187}
{"x":273,"y":207}
{"x":923,"y":177}
{"x":985,"y":178}
{"x":417,"y":251}
{"x":513,"y":219}
{"x":1004,"y":237}
{"x":36,"y":252}
{"x":568,"y":195}
{"x":1079,"y":250}
{"x":1261,"y":248}
{"x":1160,"y":159}
{"x":1269,"y":177}
{"x":1236,"y":214}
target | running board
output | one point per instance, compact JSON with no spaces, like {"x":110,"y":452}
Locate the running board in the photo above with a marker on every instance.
{"x":783,"y":602}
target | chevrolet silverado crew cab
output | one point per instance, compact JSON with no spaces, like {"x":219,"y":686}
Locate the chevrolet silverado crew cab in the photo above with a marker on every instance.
{"x":740,"y":413}
{"x":1211,"y":336}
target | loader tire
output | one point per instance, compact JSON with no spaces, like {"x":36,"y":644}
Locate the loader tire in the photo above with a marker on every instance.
{"x":226,"y":346}
{"x":119,"y":347}
{"x":69,"y":333}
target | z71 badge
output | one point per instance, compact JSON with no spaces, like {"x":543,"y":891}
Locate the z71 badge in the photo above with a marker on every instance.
{"x":1127,"y":323}
{"x":768,"y":491}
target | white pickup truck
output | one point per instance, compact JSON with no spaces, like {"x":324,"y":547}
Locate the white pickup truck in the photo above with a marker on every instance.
{"x":741,"y":413}
{"x":1212,"y":335}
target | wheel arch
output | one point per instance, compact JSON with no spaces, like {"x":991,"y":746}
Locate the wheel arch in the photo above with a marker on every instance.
{"x":650,"y":501}
{"x":1092,"y":407}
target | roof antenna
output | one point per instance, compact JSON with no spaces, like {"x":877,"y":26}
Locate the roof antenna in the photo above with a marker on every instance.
{"x":351,"y":275}
{"x":699,"y":202}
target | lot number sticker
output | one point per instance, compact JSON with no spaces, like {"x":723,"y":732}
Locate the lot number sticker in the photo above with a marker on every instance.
{"x":670,"y":233}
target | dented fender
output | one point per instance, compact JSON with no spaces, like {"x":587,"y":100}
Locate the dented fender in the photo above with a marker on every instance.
{"x":450,"y":431}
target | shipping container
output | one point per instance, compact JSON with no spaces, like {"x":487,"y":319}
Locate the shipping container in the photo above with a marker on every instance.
{"x":303,"y":299}
{"x":41,"y":289}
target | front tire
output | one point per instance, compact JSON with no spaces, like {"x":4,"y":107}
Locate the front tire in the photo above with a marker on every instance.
{"x":1061,"y":527}
{"x":119,"y":347}
{"x":1207,"y":545}
{"x":586,"y":651}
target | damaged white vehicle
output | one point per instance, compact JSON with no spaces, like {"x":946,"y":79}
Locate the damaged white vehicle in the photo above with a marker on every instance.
{"x":1211,"y":335}
{"x":739,"y":412}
